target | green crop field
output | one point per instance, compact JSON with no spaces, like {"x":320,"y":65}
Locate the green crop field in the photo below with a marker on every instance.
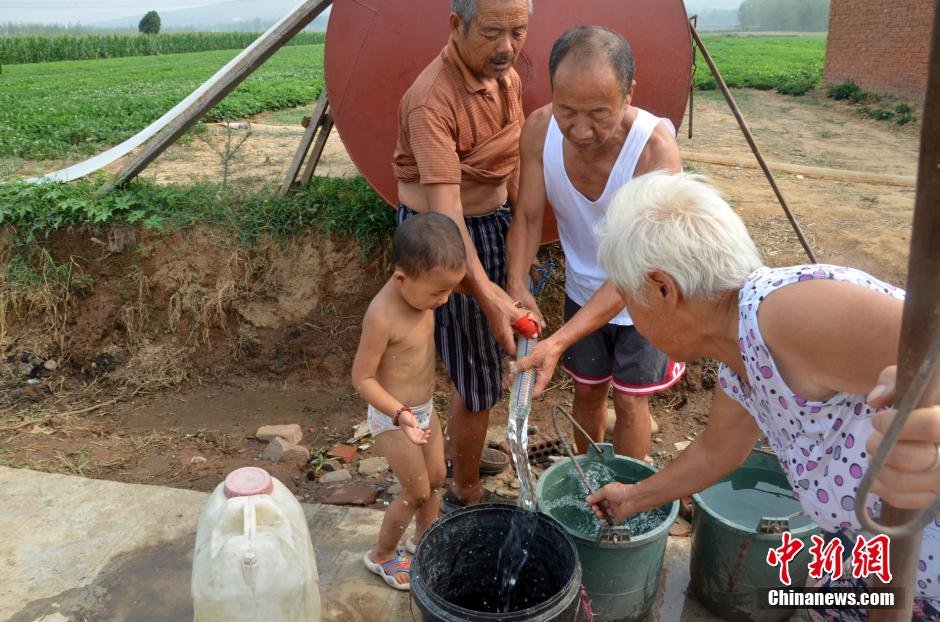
{"x":52,"y":110}
{"x":15,"y":50}
{"x":790,"y":65}
{"x":63,"y":109}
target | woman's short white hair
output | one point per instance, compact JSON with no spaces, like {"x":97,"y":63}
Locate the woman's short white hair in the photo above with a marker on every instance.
{"x":679,"y":224}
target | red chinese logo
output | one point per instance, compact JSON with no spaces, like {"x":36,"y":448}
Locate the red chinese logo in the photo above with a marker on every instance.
{"x":872,"y":558}
{"x":826,"y":558}
{"x":782,"y":556}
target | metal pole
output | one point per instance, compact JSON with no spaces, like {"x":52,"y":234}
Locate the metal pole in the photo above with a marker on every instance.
{"x":694,"y":22}
{"x":921,"y":321}
{"x":750,"y":140}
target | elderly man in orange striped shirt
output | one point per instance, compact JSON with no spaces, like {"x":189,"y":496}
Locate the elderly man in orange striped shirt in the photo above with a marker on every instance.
{"x":458,"y":154}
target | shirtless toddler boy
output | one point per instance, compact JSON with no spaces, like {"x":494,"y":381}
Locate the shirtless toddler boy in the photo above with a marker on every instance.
{"x":394,"y":371}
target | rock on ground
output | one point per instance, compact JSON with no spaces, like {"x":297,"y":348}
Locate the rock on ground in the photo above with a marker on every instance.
{"x":373,"y":467}
{"x":279,"y":450}
{"x":334,"y":477}
{"x":289,"y":432}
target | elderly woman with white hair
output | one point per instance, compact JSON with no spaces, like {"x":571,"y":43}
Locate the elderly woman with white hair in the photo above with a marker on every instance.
{"x":805,"y":356}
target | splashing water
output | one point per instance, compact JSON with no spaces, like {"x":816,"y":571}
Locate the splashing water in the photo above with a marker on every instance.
{"x":573,"y":511}
{"x":513,"y":555}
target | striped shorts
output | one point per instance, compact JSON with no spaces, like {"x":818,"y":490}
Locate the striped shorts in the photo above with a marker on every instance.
{"x":461,"y":331}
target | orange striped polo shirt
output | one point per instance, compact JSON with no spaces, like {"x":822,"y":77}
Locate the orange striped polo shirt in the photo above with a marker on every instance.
{"x":450,"y":129}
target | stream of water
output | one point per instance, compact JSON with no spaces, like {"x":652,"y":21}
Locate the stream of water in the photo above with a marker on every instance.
{"x":515,"y":550}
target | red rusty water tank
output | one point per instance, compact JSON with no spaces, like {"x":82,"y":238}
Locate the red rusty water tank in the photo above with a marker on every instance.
{"x":376,"y":48}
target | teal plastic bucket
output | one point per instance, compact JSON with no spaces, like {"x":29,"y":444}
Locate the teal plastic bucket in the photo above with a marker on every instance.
{"x":621,"y":578}
{"x":736,"y":522}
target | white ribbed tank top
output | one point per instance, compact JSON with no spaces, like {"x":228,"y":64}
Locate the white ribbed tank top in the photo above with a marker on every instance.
{"x":577,"y":216}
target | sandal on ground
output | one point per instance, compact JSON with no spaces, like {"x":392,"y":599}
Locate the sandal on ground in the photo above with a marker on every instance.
{"x":411,"y":546}
{"x":400,"y":564}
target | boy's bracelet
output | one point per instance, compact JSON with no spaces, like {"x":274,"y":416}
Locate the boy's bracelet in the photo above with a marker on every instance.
{"x":398,"y":414}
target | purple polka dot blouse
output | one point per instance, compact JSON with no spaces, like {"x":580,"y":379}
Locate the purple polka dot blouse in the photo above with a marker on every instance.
{"x":820,"y":444}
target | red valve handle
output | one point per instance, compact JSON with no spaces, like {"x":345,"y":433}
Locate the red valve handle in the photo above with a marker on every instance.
{"x":527,"y":327}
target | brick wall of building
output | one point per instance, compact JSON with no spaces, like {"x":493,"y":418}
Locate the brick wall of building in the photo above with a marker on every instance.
{"x":882,"y":45}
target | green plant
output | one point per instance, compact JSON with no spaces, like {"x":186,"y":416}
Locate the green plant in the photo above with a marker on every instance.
{"x":904,"y":118}
{"x":149,"y":23}
{"x":319,"y":458}
{"x":845,"y":90}
{"x":228,"y":148}
{"x":796,"y":82}
{"x":903,"y":108}
{"x":346,"y":207}
{"x":882,"y":113}
{"x":864,"y":96}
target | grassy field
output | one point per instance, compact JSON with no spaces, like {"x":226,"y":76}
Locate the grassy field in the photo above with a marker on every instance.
{"x":54,"y":110}
{"x":16,"y":50}
{"x":69,"y":108}
{"x":335,"y":205}
{"x":789,"y":64}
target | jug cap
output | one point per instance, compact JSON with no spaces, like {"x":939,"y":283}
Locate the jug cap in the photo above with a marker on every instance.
{"x":248,"y":481}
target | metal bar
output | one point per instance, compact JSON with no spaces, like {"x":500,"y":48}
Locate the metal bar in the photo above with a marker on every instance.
{"x":574,"y":461}
{"x":316,"y":119}
{"x":263,"y":49}
{"x":750,"y":141}
{"x":694,"y":22}
{"x":920,"y":325}
{"x":564,"y":411}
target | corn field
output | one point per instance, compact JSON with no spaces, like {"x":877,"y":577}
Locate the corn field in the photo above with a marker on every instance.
{"x":20,"y":50}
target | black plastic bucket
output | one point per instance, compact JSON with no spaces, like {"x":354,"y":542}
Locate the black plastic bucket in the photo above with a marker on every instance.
{"x":454,"y":574}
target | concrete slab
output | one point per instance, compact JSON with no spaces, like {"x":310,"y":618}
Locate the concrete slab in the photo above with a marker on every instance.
{"x":80,"y":549}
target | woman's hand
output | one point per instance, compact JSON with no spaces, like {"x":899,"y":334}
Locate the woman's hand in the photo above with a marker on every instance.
{"x":408,"y":424}
{"x":617,"y":499}
{"x":910,"y":477}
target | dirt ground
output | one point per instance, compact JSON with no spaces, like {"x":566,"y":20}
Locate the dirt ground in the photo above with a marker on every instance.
{"x":168,"y":357}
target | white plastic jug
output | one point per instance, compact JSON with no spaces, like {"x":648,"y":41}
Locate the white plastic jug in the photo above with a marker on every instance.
{"x":254,"y":560}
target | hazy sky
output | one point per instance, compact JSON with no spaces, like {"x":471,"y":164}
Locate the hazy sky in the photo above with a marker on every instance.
{"x":89,"y":11}
{"x":85,"y":11}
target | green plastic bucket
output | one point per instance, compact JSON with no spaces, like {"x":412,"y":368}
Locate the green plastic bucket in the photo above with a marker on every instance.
{"x":622,"y":578}
{"x":736,"y":522}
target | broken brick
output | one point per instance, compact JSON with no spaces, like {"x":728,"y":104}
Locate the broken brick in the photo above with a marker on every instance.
{"x":352,"y":494}
{"x":346,"y":453}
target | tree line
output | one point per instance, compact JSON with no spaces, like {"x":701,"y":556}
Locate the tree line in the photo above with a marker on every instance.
{"x":798,"y":15}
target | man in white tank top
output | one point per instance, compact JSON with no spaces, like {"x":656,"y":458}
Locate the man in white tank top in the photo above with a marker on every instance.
{"x":576,"y":153}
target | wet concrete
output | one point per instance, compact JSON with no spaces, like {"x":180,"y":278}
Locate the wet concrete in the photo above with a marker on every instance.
{"x":77,"y":550}
{"x":146,"y":584}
